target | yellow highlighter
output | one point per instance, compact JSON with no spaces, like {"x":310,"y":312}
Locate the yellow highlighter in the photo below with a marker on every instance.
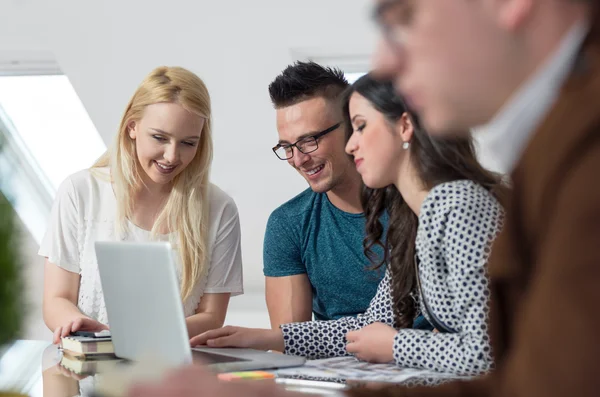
{"x":246,"y":375}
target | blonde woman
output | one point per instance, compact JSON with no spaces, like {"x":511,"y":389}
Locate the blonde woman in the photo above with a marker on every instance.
{"x":153,"y":184}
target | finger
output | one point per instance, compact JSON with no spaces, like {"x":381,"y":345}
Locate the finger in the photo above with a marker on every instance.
{"x":352,"y":347}
{"x":57,"y":335}
{"x":198,"y":340}
{"x":92,"y":325}
{"x":213,"y":334}
{"x":224,"y":341}
{"x":352,"y":336}
{"x":66,"y":331}
{"x":77,"y":325}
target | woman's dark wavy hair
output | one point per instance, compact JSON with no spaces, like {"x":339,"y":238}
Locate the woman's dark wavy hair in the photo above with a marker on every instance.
{"x":437,"y":160}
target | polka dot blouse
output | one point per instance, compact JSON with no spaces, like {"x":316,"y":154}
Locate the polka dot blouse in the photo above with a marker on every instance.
{"x":458,"y":222}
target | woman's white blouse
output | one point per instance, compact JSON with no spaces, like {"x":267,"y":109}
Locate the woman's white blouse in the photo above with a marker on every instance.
{"x":84,"y":212}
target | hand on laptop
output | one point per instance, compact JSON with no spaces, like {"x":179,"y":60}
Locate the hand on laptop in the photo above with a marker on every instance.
{"x":80,"y":324}
{"x":254,"y":338}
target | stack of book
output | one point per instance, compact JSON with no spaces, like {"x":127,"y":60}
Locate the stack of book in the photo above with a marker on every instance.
{"x":87,"y":355}
{"x":77,"y":346}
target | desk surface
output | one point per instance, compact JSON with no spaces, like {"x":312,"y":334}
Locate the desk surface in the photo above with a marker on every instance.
{"x":33,"y":369}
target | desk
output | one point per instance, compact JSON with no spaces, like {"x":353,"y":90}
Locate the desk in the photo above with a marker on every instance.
{"x":32,"y":368}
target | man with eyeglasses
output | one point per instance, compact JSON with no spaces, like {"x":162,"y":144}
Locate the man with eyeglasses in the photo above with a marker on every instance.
{"x":313,"y":254}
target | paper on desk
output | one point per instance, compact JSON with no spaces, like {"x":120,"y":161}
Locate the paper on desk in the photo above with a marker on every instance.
{"x":349,"y":368}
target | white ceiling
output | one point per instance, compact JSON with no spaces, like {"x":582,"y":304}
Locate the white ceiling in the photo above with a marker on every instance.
{"x":237,"y":46}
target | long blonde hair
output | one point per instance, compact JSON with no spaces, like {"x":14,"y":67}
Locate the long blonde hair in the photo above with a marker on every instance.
{"x":186,"y":211}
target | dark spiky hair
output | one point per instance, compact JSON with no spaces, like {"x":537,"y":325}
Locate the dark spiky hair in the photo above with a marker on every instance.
{"x":305,"y":80}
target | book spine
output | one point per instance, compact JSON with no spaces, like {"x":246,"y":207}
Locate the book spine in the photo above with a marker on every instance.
{"x":89,"y":347}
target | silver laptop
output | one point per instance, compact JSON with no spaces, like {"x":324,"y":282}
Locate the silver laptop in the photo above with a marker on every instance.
{"x":146,"y":317}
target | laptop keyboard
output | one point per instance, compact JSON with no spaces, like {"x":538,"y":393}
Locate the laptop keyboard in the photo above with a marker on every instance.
{"x":213,"y":358}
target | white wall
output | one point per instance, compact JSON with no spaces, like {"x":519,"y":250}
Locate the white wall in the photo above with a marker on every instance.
{"x":237,"y":46}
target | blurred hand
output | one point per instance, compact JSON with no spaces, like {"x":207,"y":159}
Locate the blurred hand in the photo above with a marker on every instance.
{"x":195,"y":381}
{"x":373,"y":343}
{"x":254,"y":338}
{"x":69,"y":374}
{"x":80,"y":324}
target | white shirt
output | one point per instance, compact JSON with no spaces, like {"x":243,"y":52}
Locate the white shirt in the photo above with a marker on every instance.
{"x":84,"y":211}
{"x":503,"y":140}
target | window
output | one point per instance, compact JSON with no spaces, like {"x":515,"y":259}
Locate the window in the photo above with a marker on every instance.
{"x":46,"y":135}
{"x":51,"y":122}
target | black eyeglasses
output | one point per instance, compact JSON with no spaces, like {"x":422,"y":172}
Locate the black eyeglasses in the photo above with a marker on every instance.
{"x":305,"y":145}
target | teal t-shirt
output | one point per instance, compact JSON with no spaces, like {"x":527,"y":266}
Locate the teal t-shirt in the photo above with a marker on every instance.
{"x":310,"y":235}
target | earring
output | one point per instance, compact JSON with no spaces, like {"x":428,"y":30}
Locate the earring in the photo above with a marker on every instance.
{"x":405,"y":145}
